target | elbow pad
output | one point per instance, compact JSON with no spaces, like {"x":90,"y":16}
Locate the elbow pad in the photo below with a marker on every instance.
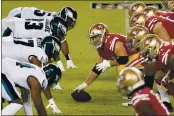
{"x":122,"y":59}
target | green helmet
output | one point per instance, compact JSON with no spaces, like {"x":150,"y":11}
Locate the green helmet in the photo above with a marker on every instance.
{"x":53,"y":74}
{"x":50,"y":45}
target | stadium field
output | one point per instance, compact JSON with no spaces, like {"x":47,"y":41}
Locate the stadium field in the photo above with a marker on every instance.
{"x":105,"y":98}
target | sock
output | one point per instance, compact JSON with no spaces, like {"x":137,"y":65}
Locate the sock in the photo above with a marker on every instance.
{"x":164,"y":96}
{"x":11,"y":109}
{"x":60,"y":65}
{"x":149,"y":80}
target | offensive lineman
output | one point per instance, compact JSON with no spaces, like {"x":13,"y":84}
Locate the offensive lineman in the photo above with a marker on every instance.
{"x":144,"y":100}
{"x":29,"y":78}
{"x":112,"y":50}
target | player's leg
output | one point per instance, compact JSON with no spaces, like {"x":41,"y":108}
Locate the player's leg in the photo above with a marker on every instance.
{"x":10,"y":94}
{"x":164,"y":95}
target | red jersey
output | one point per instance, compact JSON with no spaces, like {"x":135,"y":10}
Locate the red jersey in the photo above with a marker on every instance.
{"x":107,"y":49}
{"x":167,"y":19}
{"x":166,"y":50}
{"x":145,"y":97}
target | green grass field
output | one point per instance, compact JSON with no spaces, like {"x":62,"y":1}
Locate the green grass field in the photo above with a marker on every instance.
{"x":105,"y":98}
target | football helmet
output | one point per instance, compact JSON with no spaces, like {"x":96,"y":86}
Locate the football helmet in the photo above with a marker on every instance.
{"x":170,"y":5}
{"x":58,"y":27}
{"x":50,"y":45}
{"x":134,"y":36}
{"x":97,"y":33}
{"x":137,"y":19}
{"x":150,"y":11}
{"x":129,"y":79}
{"x":69,"y":15}
{"x":136,"y":8}
{"x":53,"y":73}
{"x":150,"y":46}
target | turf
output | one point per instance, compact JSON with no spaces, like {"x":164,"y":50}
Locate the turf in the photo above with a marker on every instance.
{"x":105,"y":98}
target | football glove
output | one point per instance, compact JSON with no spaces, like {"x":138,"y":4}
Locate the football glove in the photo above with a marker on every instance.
{"x":81,"y":87}
{"x":103,"y":66}
{"x":53,"y":106}
{"x":60,"y":65}
{"x":70,"y":64}
{"x":57,"y":86}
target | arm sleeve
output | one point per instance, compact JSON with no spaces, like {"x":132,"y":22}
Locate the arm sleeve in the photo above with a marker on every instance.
{"x":150,"y":23}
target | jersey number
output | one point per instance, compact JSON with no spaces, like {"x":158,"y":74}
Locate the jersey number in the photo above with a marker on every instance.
{"x":30,"y":43}
{"x":31,"y":25}
{"x":41,"y":13}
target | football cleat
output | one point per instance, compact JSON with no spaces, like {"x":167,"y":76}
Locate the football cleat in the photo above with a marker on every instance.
{"x":168,"y":106}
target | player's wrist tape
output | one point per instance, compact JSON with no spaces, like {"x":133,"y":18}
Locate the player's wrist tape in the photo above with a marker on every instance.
{"x":95,"y":70}
{"x":122,"y":59}
{"x":84,"y":85}
{"x":51,"y":101}
{"x":68,"y":57}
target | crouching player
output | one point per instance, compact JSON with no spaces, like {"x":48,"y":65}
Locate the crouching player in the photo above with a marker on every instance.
{"x":112,"y":50}
{"x":153,"y":47}
{"x":144,"y":100}
{"x":29,"y":78}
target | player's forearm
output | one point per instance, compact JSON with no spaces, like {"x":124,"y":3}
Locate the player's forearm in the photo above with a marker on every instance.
{"x":47,"y":93}
{"x":65,"y":48}
{"x":91,"y":78}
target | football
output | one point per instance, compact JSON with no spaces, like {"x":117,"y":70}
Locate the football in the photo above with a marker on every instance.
{"x":81,"y":96}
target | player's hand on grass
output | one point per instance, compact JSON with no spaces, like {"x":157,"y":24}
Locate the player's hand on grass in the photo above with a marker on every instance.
{"x":57,"y":86}
{"x":60,"y":65}
{"x":103,"y":66}
{"x":70,"y":64}
{"x":81,"y":87}
{"x":53,"y":106}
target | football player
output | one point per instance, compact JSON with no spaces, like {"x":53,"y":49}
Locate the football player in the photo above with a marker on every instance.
{"x":160,"y":23}
{"x":67,"y":13}
{"x":112,"y":50}
{"x":35,"y":51}
{"x":144,"y":100}
{"x":29,"y":78}
{"x":163,"y":52}
{"x":134,"y":36}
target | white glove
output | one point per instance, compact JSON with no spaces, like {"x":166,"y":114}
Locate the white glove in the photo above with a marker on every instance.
{"x":81,"y":87}
{"x":70,"y":64}
{"x":57,"y":86}
{"x":60,"y":65}
{"x":53,"y":106}
{"x":103,"y":66}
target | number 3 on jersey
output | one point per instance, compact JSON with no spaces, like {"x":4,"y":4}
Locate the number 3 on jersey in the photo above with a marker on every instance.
{"x":33,"y":25}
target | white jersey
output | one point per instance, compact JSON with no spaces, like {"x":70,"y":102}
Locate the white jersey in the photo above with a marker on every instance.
{"x":22,"y":49}
{"x":18,"y":72}
{"x":30,"y":13}
{"x":26,"y":28}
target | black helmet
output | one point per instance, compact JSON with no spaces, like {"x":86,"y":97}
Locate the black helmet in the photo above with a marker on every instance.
{"x":50,"y":45}
{"x":69,"y":15}
{"x":53,"y":74}
{"x":58,"y":27}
